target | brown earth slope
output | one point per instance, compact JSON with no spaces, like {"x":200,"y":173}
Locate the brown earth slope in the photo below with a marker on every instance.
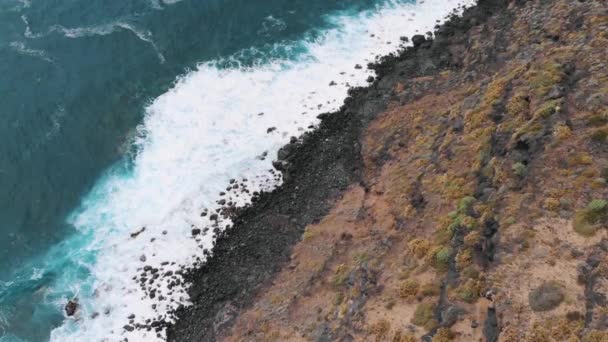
{"x":482,"y":211}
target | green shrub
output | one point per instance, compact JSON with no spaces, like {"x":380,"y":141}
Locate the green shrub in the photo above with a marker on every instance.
{"x":466,"y":203}
{"x":341,"y":275}
{"x":424,"y":314}
{"x":598,"y":120}
{"x":548,"y":109}
{"x":442,"y":257}
{"x":470,"y":272}
{"x":430,"y":289}
{"x":586,"y":221}
{"x":520,"y":169}
{"x":468,"y":292}
{"x":599,"y":136}
{"x":597,"y":210}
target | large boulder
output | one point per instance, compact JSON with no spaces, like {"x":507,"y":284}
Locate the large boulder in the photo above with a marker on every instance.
{"x":71,"y":307}
{"x":546,"y":297}
{"x":418,"y":39}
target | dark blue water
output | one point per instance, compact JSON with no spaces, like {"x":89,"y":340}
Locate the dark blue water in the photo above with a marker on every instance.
{"x":76,"y":76}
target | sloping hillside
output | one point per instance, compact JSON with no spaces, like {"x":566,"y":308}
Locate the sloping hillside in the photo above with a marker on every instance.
{"x":480,"y":212}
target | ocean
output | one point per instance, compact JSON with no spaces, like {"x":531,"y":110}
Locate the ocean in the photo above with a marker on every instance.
{"x":124,"y":115}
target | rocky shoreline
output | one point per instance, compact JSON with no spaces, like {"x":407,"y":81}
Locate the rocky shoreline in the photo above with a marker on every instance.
{"x":317,"y":169}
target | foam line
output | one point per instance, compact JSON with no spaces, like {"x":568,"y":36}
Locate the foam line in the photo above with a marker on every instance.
{"x":211,"y":127}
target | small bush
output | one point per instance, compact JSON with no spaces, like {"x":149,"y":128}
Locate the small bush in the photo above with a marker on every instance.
{"x":520,"y":169}
{"x":462,"y":221}
{"x":400,"y":337}
{"x":517,"y":105}
{"x":596,"y":336}
{"x":443,"y":335}
{"x":547,"y":109}
{"x":466,"y":203}
{"x":509,"y":221}
{"x":597,"y":208}
{"x":543,"y":78}
{"x":463,"y":258}
{"x":472,"y":239}
{"x":340,"y":276}
{"x":599,"y":136}
{"x":424,"y":314}
{"x":419,"y":247}
{"x":468,"y":292}
{"x":551,"y":204}
{"x":339,"y":298}
{"x":408,"y":288}
{"x":442,"y":257}
{"x":587,"y":220}
{"x":442,"y":237}
{"x":556,"y":329}
{"x":309,"y":234}
{"x":562,"y":132}
{"x":470,"y":272}
{"x":580,"y":159}
{"x":380,"y":329}
{"x":597,"y":120}
{"x":430,"y":289}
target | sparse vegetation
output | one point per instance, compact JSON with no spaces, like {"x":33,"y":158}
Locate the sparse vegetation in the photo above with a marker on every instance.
{"x":580,"y":159}
{"x":419,"y":247}
{"x":469,"y":291}
{"x":599,"y":136}
{"x":442,"y":257}
{"x":380,"y":329}
{"x":470,"y":272}
{"x":443,"y":335}
{"x":587,"y":220}
{"x":340,"y":275}
{"x":520,"y":169}
{"x":551,"y":204}
{"x":408,"y":288}
{"x":309,"y":234}
{"x":424,"y":315}
{"x":545,"y":77}
{"x":466,"y":203}
{"x":503,"y":165}
{"x":517,"y":105}
{"x":547,"y":109}
{"x":472,"y":238}
{"x":464,"y":258}
{"x":430,"y":289}
{"x":556,"y":329}
{"x":596,"y":336}
{"x":562,"y":132}
{"x":401,"y":337}
{"x":598,"y":120}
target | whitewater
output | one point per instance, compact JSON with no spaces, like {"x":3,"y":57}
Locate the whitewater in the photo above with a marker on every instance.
{"x":210,"y":128}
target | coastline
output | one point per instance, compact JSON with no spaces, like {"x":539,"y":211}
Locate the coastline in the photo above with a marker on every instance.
{"x":317,"y":170}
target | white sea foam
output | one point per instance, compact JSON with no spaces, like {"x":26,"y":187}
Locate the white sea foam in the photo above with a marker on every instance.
{"x":21,"y":48}
{"x":206,"y":130}
{"x":271,"y":25}
{"x":95,"y":30}
{"x":171,"y":2}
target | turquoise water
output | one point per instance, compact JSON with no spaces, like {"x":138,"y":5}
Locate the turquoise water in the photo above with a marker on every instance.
{"x":98,"y":138}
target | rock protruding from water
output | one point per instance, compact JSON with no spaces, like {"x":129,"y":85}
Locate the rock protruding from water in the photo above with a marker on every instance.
{"x":71,"y":307}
